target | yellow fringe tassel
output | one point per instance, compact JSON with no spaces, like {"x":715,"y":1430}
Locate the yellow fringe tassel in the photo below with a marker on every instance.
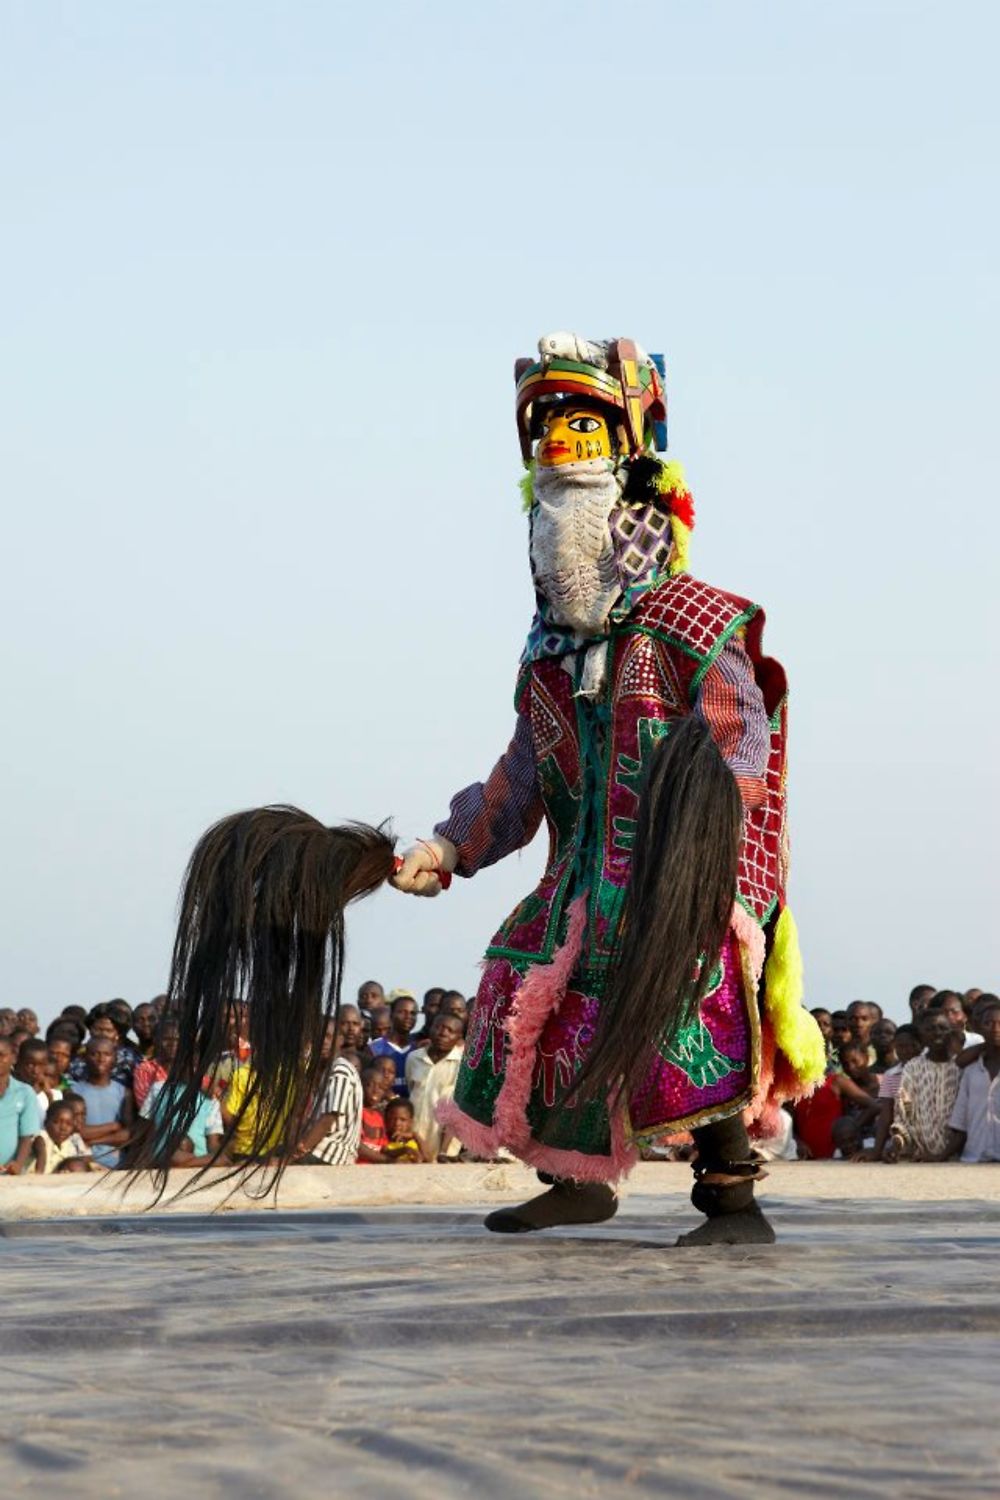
{"x":672,"y":478}
{"x":680,"y":554}
{"x":795,"y":1030}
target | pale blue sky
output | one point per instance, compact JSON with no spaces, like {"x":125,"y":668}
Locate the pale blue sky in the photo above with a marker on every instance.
{"x":267,"y":268}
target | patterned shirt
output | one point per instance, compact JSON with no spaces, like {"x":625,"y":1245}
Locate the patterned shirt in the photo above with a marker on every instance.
{"x":924,"y":1104}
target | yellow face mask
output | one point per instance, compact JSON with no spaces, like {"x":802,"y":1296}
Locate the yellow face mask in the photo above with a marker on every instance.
{"x":572,"y":434}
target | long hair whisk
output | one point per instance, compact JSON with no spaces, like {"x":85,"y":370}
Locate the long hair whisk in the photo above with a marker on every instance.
{"x":261,"y":917}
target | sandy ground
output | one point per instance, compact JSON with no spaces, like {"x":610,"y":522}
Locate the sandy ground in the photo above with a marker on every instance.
{"x":375,"y":1187}
{"x":351,"y":1350}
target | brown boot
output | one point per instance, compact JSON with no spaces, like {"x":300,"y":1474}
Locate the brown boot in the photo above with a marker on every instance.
{"x":566,"y":1202}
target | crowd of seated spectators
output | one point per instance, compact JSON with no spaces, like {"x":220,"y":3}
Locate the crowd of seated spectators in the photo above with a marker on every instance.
{"x":925,"y":1090}
{"x":81,"y":1097}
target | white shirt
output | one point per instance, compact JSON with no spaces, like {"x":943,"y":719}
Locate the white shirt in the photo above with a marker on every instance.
{"x":438,"y":1085}
{"x":977,"y":1113}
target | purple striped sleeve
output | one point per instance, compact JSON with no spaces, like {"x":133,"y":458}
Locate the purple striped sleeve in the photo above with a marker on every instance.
{"x":492,"y":818}
{"x":732,"y":706}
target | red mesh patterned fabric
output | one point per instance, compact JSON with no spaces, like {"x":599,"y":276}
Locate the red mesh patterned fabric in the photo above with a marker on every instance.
{"x":693,"y":613}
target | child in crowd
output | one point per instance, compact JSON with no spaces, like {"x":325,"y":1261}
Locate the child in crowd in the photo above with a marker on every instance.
{"x":974,"y":1124}
{"x":857,"y":1085}
{"x":402,"y":1145}
{"x":53,"y":1149}
{"x":54,"y":1085}
{"x":79,"y":1107}
{"x":374,"y":1140}
{"x":32,"y":1069}
{"x":66,"y":1036}
{"x":926,"y":1096}
{"x":386,"y":1069}
{"x":61,"y":1048}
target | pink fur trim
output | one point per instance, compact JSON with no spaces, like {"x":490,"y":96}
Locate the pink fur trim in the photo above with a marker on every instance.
{"x":480,"y":1139}
{"x":764,"y":1125}
{"x":485,"y":1140}
{"x":749,"y":935}
{"x":765,"y":1081}
{"x":577,"y":1165}
{"x":540,"y":995}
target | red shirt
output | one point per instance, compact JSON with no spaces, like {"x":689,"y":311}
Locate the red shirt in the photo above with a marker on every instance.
{"x":814,"y":1118}
{"x":146,"y":1074}
{"x":373,"y":1131}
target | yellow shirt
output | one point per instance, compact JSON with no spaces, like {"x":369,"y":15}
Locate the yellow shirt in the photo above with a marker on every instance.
{"x":243,"y":1136}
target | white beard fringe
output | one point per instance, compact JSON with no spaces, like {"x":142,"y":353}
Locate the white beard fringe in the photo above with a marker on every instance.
{"x":572,"y":555}
{"x":573,"y":558}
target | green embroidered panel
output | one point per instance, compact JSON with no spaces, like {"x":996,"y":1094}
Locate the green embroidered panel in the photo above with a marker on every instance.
{"x":695,"y":1053}
{"x":631,"y":772}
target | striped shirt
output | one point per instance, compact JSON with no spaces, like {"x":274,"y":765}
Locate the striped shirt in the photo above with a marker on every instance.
{"x":341,"y":1098}
{"x":889,"y":1086}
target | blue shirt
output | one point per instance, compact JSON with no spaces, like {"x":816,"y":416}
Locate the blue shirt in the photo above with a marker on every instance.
{"x":18,"y":1117}
{"x":382,"y":1047}
{"x":104,"y":1107}
{"x":207,"y":1119}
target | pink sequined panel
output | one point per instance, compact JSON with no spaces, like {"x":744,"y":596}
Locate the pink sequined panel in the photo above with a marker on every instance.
{"x":709,"y":1064}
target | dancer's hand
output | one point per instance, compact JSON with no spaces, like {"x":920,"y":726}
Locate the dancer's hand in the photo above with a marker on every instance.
{"x":420,"y":871}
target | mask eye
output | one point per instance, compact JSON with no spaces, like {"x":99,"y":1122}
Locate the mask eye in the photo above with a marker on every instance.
{"x":584,"y":424}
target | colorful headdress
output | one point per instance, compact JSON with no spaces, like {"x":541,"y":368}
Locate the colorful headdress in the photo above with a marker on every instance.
{"x":617,"y":374}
